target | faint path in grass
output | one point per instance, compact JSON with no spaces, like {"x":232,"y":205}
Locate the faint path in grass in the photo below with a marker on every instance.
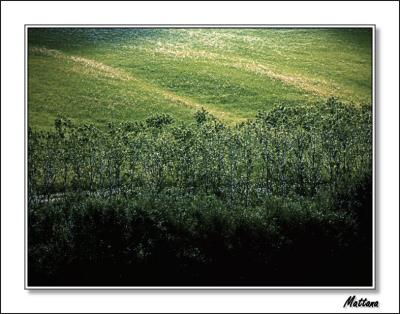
{"x":91,"y":67}
{"x":304,"y":83}
{"x":316,"y":86}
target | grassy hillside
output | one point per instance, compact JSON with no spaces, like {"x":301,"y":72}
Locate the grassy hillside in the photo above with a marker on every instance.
{"x":99,"y":75}
{"x":170,"y":195}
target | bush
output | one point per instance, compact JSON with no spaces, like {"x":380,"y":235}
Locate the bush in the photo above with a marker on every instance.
{"x":281,"y":199}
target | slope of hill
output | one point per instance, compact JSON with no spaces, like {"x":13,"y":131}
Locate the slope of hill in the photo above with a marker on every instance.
{"x":101,"y":75}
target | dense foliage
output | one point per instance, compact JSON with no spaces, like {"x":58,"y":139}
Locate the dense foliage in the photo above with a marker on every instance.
{"x":277,"y":200}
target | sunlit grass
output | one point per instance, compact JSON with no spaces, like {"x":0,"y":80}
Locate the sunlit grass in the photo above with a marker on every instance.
{"x":99,"y":75}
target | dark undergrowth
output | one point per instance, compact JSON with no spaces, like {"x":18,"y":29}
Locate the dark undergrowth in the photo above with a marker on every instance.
{"x":197,"y":241}
{"x":284,"y":200}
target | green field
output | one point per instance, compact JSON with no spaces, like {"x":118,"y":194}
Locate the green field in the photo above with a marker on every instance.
{"x":200,"y":157}
{"x":102,"y":75}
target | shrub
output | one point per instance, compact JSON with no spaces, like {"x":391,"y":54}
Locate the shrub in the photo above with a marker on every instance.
{"x":203,"y":202}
